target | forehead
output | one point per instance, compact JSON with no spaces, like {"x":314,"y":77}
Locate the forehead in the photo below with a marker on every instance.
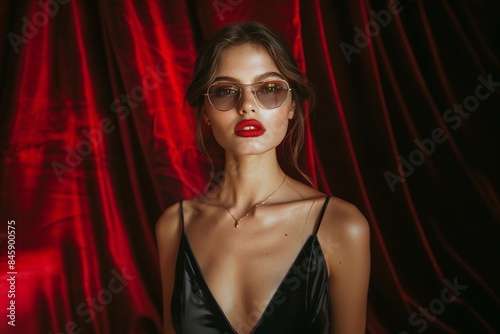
{"x":245,"y":62}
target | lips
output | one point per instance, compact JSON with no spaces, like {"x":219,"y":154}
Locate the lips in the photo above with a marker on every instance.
{"x":249,"y":128}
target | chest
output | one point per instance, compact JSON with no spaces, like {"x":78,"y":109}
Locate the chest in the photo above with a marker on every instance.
{"x":268,"y":272}
{"x":252,"y":292}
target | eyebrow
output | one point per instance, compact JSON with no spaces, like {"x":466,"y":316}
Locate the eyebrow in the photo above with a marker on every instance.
{"x":257,"y":78}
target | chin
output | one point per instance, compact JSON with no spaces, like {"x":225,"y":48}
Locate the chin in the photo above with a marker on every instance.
{"x":249,"y":148}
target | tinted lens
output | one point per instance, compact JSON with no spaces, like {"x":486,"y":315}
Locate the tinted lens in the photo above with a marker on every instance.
{"x":272,"y":94}
{"x":224,"y":96}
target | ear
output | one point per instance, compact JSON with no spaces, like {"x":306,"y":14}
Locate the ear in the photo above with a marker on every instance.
{"x":291,"y":113}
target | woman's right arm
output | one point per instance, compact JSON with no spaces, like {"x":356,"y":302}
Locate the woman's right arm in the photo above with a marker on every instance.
{"x":168,"y":231}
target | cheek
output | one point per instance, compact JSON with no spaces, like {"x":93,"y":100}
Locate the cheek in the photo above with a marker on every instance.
{"x":220,"y":133}
{"x":221,"y":127}
{"x":278,"y":123}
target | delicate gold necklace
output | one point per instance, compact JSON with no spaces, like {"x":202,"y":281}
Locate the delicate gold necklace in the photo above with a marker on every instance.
{"x":237,"y":220}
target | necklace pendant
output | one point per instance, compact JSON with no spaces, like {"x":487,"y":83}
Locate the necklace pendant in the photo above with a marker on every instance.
{"x":236,"y":220}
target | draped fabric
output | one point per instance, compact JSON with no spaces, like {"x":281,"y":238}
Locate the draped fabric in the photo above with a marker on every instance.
{"x":96,"y":141}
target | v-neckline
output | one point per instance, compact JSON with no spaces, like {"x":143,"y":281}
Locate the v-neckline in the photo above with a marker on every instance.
{"x":207,"y":288}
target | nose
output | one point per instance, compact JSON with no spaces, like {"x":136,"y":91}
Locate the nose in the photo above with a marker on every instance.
{"x":248,"y":102}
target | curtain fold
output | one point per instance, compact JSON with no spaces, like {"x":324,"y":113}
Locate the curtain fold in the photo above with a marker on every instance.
{"x":96,"y":141}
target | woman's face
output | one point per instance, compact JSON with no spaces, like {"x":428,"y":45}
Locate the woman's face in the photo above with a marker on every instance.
{"x":248,"y":128}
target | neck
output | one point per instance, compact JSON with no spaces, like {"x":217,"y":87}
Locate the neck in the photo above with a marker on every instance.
{"x":250,"y":179}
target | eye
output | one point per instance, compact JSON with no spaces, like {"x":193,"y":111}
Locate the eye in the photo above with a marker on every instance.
{"x":221,"y":91}
{"x":225,"y":91}
{"x":271,"y":87}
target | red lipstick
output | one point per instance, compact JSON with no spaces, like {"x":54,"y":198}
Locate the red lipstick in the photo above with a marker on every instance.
{"x":249,"y":128}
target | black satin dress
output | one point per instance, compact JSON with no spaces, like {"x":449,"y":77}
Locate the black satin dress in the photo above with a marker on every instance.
{"x":300,"y":305}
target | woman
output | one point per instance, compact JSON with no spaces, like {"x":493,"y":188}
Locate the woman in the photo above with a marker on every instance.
{"x":260,"y":252}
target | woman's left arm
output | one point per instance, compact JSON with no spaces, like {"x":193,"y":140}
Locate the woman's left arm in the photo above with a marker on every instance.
{"x":346,"y":244}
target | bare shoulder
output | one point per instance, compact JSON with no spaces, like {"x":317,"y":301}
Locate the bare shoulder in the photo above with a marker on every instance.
{"x":168,"y":231}
{"x":168,"y":226}
{"x":344,"y":219}
{"x":344,"y":234}
{"x":344,"y":237}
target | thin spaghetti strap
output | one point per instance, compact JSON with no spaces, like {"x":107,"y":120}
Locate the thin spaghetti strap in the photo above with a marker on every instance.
{"x":182,"y":216}
{"x":322,"y":213}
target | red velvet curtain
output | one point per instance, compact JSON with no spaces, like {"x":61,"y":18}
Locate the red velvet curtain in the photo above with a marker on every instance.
{"x":96,"y":141}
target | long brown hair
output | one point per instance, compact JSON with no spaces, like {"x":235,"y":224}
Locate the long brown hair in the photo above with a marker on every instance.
{"x":207,"y":66}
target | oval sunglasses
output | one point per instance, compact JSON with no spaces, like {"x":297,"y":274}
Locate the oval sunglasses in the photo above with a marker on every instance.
{"x":269,"y":94}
